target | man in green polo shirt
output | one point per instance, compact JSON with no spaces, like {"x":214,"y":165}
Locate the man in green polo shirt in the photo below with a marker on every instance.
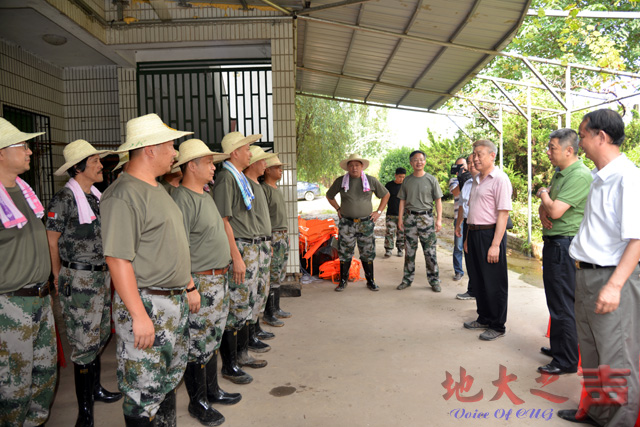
{"x":561,"y":211}
{"x":357,"y":217}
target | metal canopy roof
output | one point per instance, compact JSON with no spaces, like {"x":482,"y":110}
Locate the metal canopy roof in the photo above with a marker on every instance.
{"x":410,"y":53}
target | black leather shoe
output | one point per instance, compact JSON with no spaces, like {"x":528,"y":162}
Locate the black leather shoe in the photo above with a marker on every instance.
{"x":546,"y":351}
{"x":570,"y":415}
{"x":554,"y":370}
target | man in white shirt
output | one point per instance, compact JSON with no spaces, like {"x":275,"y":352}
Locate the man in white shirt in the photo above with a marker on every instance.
{"x":607,"y":250}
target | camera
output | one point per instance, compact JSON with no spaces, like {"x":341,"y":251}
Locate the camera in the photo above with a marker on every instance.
{"x":456,"y":169}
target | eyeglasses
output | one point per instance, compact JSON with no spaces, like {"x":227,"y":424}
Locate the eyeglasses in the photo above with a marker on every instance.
{"x":22,"y":144}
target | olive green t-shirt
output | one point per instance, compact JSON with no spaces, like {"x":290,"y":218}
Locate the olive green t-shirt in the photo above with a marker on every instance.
{"x":167,"y":186}
{"x":277,"y":208}
{"x":419,"y":193}
{"x":24,"y":252}
{"x":229,"y":202}
{"x":571,"y":186}
{"x":142,"y":224}
{"x":260,"y":210}
{"x":208,"y":243}
{"x":355,"y":203}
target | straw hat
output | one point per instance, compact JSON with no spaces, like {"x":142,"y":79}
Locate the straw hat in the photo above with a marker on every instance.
{"x":9,"y":134}
{"x":275,"y":161}
{"x":123,"y":158}
{"x":77,"y":151}
{"x":175,"y":167}
{"x":234,"y":140}
{"x":354,"y":157}
{"x":194,"y":149}
{"x":148,"y":130}
{"x":257,"y":154}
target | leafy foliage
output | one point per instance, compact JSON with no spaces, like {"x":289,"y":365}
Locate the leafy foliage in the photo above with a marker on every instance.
{"x":328,"y":131}
{"x":396,"y":158}
{"x":441,"y":154}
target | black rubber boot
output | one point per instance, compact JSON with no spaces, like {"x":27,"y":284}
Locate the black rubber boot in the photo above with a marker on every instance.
{"x":166,"y":415}
{"x":367,"y":266}
{"x":344,"y":276}
{"x":244,"y":340}
{"x":269,"y":312}
{"x":99,"y":393}
{"x":279,"y":312}
{"x":199,"y":408}
{"x":214,"y":393}
{"x":138,"y":422}
{"x":262,"y":334}
{"x":255,"y":344}
{"x":228,"y":352}
{"x":83,"y":375}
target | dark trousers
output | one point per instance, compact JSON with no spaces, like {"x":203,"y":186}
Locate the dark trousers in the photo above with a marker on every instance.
{"x":490,"y":281}
{"x":465,"y":231}
{"x":559,"y":276}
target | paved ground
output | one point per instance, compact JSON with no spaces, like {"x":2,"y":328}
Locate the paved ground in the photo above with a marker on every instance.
{"x":360,"y":358}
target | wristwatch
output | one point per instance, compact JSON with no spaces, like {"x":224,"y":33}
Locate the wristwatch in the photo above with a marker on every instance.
{"x":379,"y":212}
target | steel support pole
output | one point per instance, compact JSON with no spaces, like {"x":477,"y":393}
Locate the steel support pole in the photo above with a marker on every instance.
{"x":529,"y":165}
{"x":569,"y":102}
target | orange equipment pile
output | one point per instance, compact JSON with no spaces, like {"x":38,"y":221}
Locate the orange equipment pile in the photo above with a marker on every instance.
{"x":312,"y":235}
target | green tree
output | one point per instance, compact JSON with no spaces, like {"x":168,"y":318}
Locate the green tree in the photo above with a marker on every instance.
{"x":396,"y":158}
{"x":328,"y":131}
{"x":441,"y":153}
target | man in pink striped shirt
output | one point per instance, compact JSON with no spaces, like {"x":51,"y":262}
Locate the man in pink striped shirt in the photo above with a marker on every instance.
{"x":486,"y":241}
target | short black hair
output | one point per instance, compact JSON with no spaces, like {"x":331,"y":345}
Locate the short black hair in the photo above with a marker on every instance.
{"x":413,"y":153}
{"x":78,"y":167}
{"x":566,"y":138}
{"x":608,"y":121}
{"x":401,"y":171}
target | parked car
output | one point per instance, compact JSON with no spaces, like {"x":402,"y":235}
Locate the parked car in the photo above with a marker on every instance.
{"x":308,"y":191}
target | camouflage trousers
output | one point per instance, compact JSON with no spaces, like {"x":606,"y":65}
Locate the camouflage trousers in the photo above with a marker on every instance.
{"x":86,"y":311}
{"x":259,"y":298}
{"x":280,"y":257}
{"x":240,"y":294}
{"x":393,"y":233}
{"x":146,"y":376}
{"x":207,"y":325}
{"x":350,"y":233}
{"x":28,"y":356}
{"x":420,"y":228}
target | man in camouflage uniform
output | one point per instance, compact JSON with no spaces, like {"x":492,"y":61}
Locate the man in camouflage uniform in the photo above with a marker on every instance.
{"x":210,"y":259}
{"x":260,"y":292}
{"x":357,"y":219}
{"x":391,"y":219}
{"x":419,"y":192}
{"x":234,"y":199}
{"x":80,"y":273}
{"x":27,"y":336}
{"x":147,"y":252}
{"x":279,"y":238}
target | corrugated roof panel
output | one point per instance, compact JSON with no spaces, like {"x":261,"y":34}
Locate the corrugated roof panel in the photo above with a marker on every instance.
{"x":352,"y":89}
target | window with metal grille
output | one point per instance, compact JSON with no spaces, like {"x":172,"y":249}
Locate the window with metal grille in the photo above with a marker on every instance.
{"x":210,"y":98}
{"x":40,"y":175}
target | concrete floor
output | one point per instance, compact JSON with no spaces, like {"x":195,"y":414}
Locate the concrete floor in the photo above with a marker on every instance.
{"x":360,"y":358}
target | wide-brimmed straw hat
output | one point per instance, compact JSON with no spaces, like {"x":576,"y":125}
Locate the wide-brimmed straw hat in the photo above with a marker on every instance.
{"x":275,"y":161}
{"x":194,"y":149}
{"x":123,"y":158}
{"x":354,"y":157}
{"x":149,"y":130}
{"x":234,"y":140}
{"x":77,"y":151}
{"x":257,"y":154}
{"x":9,"y":134}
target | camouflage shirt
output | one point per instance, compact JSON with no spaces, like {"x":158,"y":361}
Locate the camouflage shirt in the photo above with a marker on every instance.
{"x":78,"y":243}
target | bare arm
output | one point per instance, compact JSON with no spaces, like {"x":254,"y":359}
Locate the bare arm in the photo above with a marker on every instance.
{"x":609,"y":296}
{"x":124,"y":280}
{"x":239,"y":267}
{"x":54,"y":252}
{"x":439,"y":213}
{"x":401,"y":215}
{"x":501,"y":226}
{"x":555,"y":208}
{"x":335,"y":205}
{"x":383,"y":203}
{"x":544,"y":217}
{"x":459,"y":219}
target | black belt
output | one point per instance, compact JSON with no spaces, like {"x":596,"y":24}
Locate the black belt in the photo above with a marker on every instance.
{"x":84,"y":267}
{"x":419,"y":212}
{"x":481,"y":227}
{"x":556,"y":237}
{"x":250,"y":241}
{"x":164,"y":292}
{"x":356,"y":220}
{"x":588,"y":266}
{"x":34,"y":290}
{"x":264,"y":238}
